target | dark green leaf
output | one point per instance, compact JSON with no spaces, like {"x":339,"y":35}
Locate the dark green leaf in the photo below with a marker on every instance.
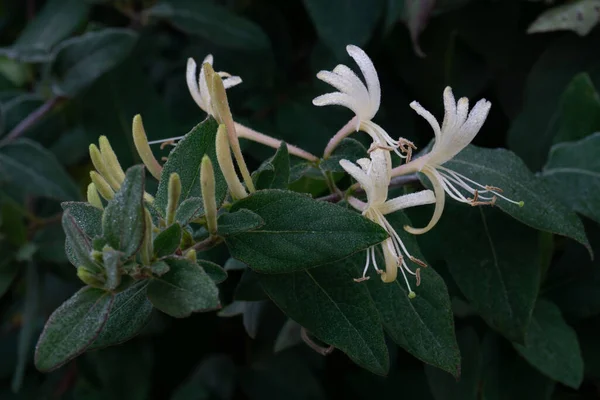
{"x":495,"y":261}
{"x":573,"y":173}
{"x":579,"y":110}
{"x":551,"y":346}
{"x":78,"y":245}
{"x":87,"y":217}
{"x":185,"y":289}
{"x":34,"y":169}
{"x":167,"y":242}
{"x":159,"y":268}
{"x":129,"y":313}
{"x":299,"y":232}
{"x":213,"y":270}
{"x":275,"y":172}
{"x":503,"y":169}
{"x":212,"y":22}
{"x":340,"y":22}
{"x":189,"y":210}
{"x":239,"y":221}
{"x":251,"y":312}
{"x":79,"y":61}
{"x":185,"y":159}
{"x":55,"y":22}
{"x":123,"y":222}
{"x":112,"y":265}
{"x":249,"y":288}
{"x":330,"y":305}
{"x":349,"y":149}
{"x":444,"y":386}
{"x":423,"y":326}
{"x":72,"y":328}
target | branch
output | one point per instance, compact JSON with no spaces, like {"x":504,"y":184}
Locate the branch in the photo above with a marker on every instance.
{"x":31,"y":119}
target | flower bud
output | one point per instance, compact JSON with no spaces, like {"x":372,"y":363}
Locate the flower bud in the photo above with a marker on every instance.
{"x":191,"y":255}
{"x":147,"y":249}
{"x":207,"y":183}
{"x":89,"y":278}
{"x":143,"y":148}
{"x":226,"y":165}
{"x":174,"y":193}
{"x":110,"y":160}
{"x":92,"y":196}
{"x":101,"y":167}
{"x":102,"y":186}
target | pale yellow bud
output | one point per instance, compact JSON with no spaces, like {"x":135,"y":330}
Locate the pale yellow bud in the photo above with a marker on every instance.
{"x":191,"y":255}
{"x":226,"y":164}
{"x":89,"y":278}
{"x":92,"y":196}
{"x":143,"y":148}
{"x":174,"y":194}
{"x":147,"y":250}
{"x":207,"y":182}
{"x":111,"y":162}
{"x":102,"y":186}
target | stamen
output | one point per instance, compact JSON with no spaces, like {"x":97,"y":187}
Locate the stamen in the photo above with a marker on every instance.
{"x":364,"y":278}
{"x":167,"y":143}
{"x":418,"y":273}
{"x":418,"y":262}
{"x":173,"y":139}
{"x":376,"y":146}
{"x":493,"y":189}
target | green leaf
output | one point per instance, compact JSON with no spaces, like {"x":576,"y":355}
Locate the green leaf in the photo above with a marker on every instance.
{"x":299,"y":232}
{"x":573,"y":173}
{"x":213,"y":23}
{"x":349,"y":149}
{"x":85,"y":218}
{"x":339,"y":22}
{"x":78,"y":244}
{"x":213,"y":270}
{"x":189,"y":210}
{"x":444,"y":386}
{"x":551,"y":346}
{"x":54,"y":22}
{"x":123,"y":222}
{"x":79,"y":61}
{"x":185,"y":289}
{"x":331,"y":306}
{"x":275,"y":172}
{"x":159,"y":268}
{"x":72,"y":328}
{"x":249,"y":288}
{"x":185,"y":159}
{"x":112,"y":265}
{"x":578,"y":16}
{"x":167,"y":242}
{"x":29,"y":166}
{"x":579,"y":110}
{"x":503,"y":169}
{"x":423,"y":326}
{"x":129,"y":313}
{"x":495,"y":261}
{"x":239,"y":221}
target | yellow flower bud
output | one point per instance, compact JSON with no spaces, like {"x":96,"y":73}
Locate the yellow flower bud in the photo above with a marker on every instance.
{"x":102,"y":186}
{"x":143,"y":148}
{"x":226,"y":164}
{"x":92,"y":196}
{"x":191,"y":255}
{"x":111,"y":162}
{"x":207,"y":183}
{"x":147,"y":249}
{"x":101,"y":167}
{"x":89,"y":278}
{"x":174,"y":194}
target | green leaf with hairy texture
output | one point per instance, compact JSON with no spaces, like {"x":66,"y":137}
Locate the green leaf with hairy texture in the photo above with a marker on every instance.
{"x":123,"y":222}
{"x":239,"y":221}
{"x":349,"y":149}
{"x":507,"y":376}
{"x":129,"y":313}
{"x":112,"y":265}
{"x":339,"y":22}
{"x":573,"y":173}
{"x":78,"y":245}
{"x":87,"y":219}
{"x":167,"y":242}
{"x":423,"y":326}
{"x":72,"y":328}
{"x":579,"y":110}
{"x":578,"y":16}
{"x":185,"y":159}
{"x":189,"y":210}
{"x":185,"y":289}
{"x":54,"y":22}
{"x":532,"y":132}
{"x":551,"y":346}
{"x":299,"y":232}
{"x":34,"y":169}
{"x":335,"y":309}
{"x":274,"y":173}
{"x":213,"y":23}
{"x":503,"y":169}
{"x":79,"y":61}
{"x":495,"y":262}
{"x":213,"y":270}
{"x":159,"y":268}
{"x":446,"y":387}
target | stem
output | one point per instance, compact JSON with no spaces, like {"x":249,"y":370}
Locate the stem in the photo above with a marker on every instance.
{"x":207,"y":243}
{"x":250,"y":134}
{"x":31,"y":119}
{"x":339,"y":136}
{"x":311,"y":343}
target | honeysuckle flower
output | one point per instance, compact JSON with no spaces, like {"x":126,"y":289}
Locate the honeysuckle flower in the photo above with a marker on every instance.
{"x":374,"y":176}
{"x":362,"y":99}
{"x":459,"y":127}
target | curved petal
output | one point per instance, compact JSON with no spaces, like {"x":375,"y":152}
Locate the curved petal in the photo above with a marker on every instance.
{"x":368,"y":69}
{"x":338,"y":98}
{"x":192,"y":83}
{"x":361,"y":177}
{"x":407,"y":201}
{"x":391,"y":261}
{"x":440,"y":198}
{"x":204,"y":92}
{"x":428,"y":117}
{"x":339,"y":82}
{"x":208,"y":59}
{"x":380,"y":174}
{"x":231,"y":81}
{"x":449,"y":109}
{"x":359,"y":91}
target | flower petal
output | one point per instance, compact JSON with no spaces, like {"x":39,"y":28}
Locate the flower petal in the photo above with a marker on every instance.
{"x":231,"y":81}
{"x":407,"y":201}
{"x":368,"y":69}
{"x":338,"y":98}
{"x":449,"y":110}
{"x":428,"y":117}
{"x":391,"y":261}
{"x":361,"y":177}
{"x":192,"y":83}
{"x":440,"y":198}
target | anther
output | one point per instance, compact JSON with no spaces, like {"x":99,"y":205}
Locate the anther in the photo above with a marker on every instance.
{"x":493,"y":189}
{"x":167,"y":143}
{"x":364,"y":278}
{"x":376,"y":146}
{"x":418,"y":274}
{"x":418,"y":262}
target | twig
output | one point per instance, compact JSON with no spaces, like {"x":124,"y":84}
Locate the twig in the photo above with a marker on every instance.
{"x":207,"y":243}
{"x":31,"y":119}
{"x":311,"y":343}
{"x":394,"y":182}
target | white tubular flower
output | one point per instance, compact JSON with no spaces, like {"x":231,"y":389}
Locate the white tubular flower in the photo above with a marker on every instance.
{"x":458,"y":130}
{"x":362,"y":99}
{"x":374,"y":177}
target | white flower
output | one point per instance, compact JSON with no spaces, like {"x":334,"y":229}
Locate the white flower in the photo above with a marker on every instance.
{"x":374,"y":176}
{"x":197,"y":83}
{"x":458,"y":130}
{"x":362,"y":99}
